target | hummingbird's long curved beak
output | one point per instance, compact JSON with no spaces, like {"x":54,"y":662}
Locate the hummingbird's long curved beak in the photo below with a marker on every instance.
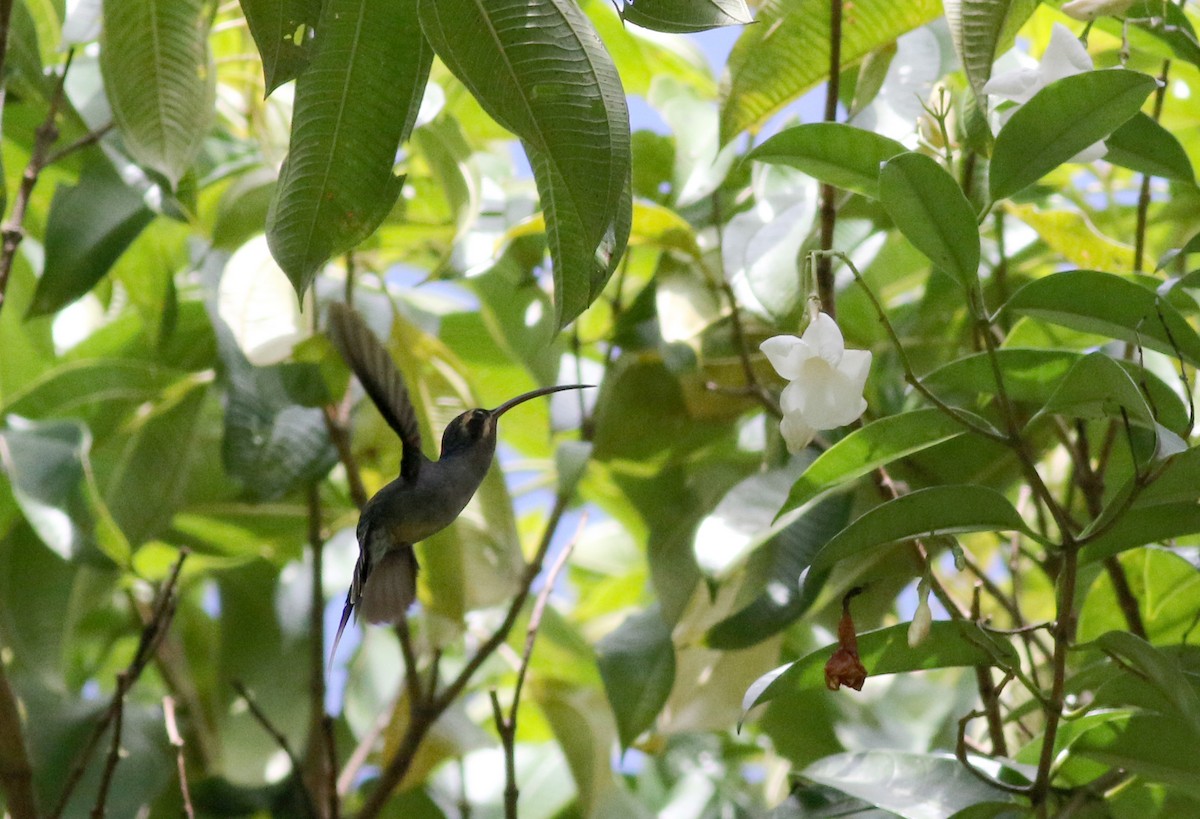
{"x":520,"y":399}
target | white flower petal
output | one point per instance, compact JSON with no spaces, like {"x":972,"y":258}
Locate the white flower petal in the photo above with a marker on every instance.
{"x":825,"y":397}
{"x":796,"y":434}
{"x":787,"y":354}
{"x":1065,"y":56}
{"x":1018,"y":86}
{"x":1091,"y":153}
{"x":855,"y":365}
{"x":824,"y":336}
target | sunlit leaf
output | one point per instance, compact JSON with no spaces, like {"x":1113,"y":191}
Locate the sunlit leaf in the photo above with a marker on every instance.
{"x":1061,"y":120}
{"x":787,"y":52}
{"x":44,"y":463}
{"x":683,"y":16}
{"x":838,"y":154}
{"x":1164,"y":585}
{"x":355,"y":104}
{"x":159,"y":80}
{"x":931,"y":211}
{"x":1074,"y":236}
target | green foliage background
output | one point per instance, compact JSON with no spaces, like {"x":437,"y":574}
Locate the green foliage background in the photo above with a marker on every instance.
{"x":187,"y":185}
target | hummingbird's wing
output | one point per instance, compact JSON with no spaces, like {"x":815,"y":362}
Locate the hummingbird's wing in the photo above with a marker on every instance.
{"x":380,"y":378}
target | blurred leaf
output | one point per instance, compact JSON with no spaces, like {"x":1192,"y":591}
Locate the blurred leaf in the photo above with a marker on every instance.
{"x":283,"y":31}
{"x":931,"y":211}
{"x":863,"y":450}
{"x":760,"y":247}
{"x":1146,"y":744}
{"x":1142,"y":145}
{"x":1061,"y":120}
{"x":1103,"y":303}
{"x":1071,"y":234}
{"x":337,"y":185}
{"x":242,"y":211}
{"x":541,"y":72}
{"x":683,"y":16}
{"x":1097,"y":387}
{"x":938,"y":510}
{"x":787,"y":592}
{"x":637,"y":663}
{"x":1174,"y":30}
{"x":950,"y":644}
{"x":159,"y":79}
{"x":914,"y":786}
{"x":787,"y":53}
{"x":45,"y":466}
{"x":90,"y":226}
{"x":980,"y":30}
{"x":1192,"y":245}
{"x":837,"y":154}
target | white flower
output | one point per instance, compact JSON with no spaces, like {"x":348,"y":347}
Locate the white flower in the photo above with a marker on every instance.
{"x":1088,"y":10}
{"x":826,"y":380}
{"x":1065,"y":56}
{"x":918,"y":629}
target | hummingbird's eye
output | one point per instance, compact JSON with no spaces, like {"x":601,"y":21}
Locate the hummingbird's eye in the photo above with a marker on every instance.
{"x":476,"y":423}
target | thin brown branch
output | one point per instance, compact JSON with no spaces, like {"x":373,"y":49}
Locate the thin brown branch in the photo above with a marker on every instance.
{"x":316,"y":774}
{"x":13,"y":231}
{"x":961,"y":752}
{"x":16,"y":774}
{"x":152,"y":635}
{"x":176,"y":740}
{"x":114,"y":748}
{"x":86,"y":141}
{"x":339,"y":435}
{"x":332,"y":807}
{"x":989,"y":694}
{"x":824,"y":266}
{"x":424,"y":714}
{"x":1143,"y":205}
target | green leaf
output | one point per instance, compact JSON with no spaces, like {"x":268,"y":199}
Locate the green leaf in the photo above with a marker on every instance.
{"x":938,"y":510}
{"x":1175,"y":30}
{"x":1032,"y":375}
{"x":540,"y":70}
{"x":910,"y":785}
{"x":283,"y":31}
{"x":1103,"y":303}
{"x":1165,"y":586}
{"x":1141,"y":525}
{"x":787,"y":592}
{"x":45,"y":466}
{"x":874,"y":445}
{"x":1146,"y":744}
{"x":1073,"y":235}
{"x":832,"y":152}
{"x":637,"y":663}
{"x":932,"y":212}
{"x":950,"y":644}
{"x":91,"y":224}
{"x":683,"y":16}
{"x":1097,"y":387}
{"x":787,"y":53}
{"x":1142,"y":145}
{"x":981,"y":29}
{"x":1192,"y":245}
{"x":242,"y":211}
{"x":1060,"y":121}
{"x":159,"y":80}
{"x":355,"y":104}
{"x":1160,"y":670}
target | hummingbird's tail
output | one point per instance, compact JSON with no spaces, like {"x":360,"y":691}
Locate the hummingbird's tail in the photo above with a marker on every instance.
{"x":391,"y":586}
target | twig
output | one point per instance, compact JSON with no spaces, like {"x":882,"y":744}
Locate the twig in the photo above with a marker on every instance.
{"x":507,"y":726}
{"x":45,"y":135}
{"x":86,"y":141}
{"x":16,"y":774}
{"x":315,"y":773}
{"x":424,"y":714}
{"x":333,"y":809}
{"x":1143,"y":205}
{"x":960,"y":752}
{"x":335,"y":424}
{"x":176,"y":740}
{"x":114,"y":749}
{"x":265,"y":722}
{"x":989,"y":694}
{"x":152,"y":635}
{"x":824,"y":267}
{"x":363,"y":750}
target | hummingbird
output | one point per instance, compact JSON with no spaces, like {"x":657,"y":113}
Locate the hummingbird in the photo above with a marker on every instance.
{"x":428,"y":495}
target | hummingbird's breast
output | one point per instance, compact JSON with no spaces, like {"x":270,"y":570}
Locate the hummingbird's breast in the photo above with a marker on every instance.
{"x":409,"y":512}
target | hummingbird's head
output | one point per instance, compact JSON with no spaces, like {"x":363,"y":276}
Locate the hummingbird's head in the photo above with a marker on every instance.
{"x":477,"y":427}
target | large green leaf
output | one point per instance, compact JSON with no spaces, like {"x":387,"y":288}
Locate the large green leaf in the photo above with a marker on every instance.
{"x":1141,"y":144}
{"x":874,"y":445}
{"x":682,"y":16}
{"x":355,"y":104}
{"x":283,"y":31}
{"x":909,"y":785}
{"x":933,"y":511}
{"x":1141,"y":525}
{"x":91,"y":225}
{"x":540,"y":70}
{"x":1159,"y":669}
{"x":637,"y":663}
{"x":832,"y":152}
{"x":1061,"y":120}
{"x":1103,"y":303}
{"x":1097,"y":387}
{"x":932,"y":212}
{"x":1146,"y":744}
{"x":787,"y":53}
{"x":950,"y":644}
{"x":981,"y":29}
{"x":159,"y":79}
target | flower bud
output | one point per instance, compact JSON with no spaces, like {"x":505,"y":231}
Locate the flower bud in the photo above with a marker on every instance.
{"x":918,"y":630}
